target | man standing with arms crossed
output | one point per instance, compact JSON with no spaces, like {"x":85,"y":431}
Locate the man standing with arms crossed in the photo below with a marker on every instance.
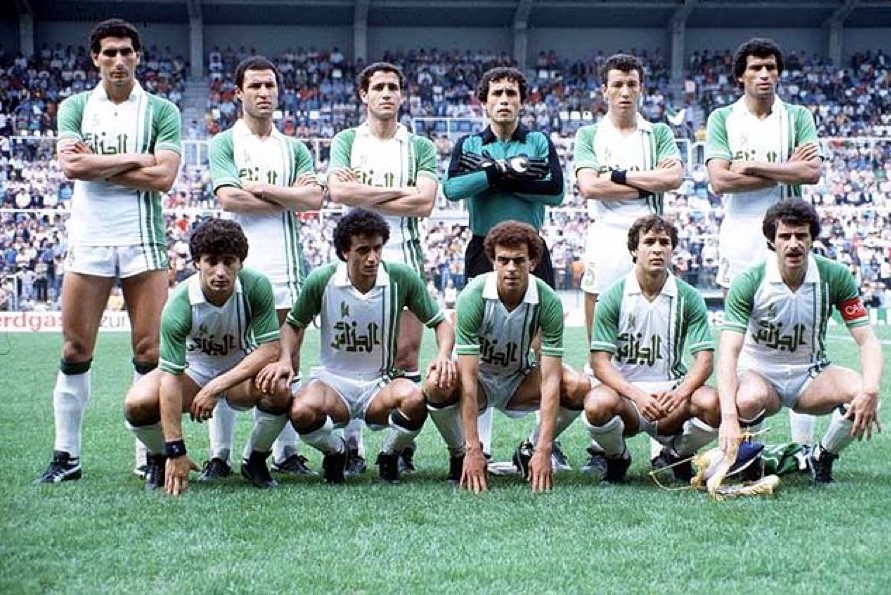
{"x":263,"y":177}
{"x":759,"y":150}
{"x":625,"y":164}
{"x":121,"y":145}
{"x":380,"y":165}
{"x":504,"y":172}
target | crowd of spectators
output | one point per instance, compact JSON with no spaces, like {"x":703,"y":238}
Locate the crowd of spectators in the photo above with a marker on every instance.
{"x":319,"y":98}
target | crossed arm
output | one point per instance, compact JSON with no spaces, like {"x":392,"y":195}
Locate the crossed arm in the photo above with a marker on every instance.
{"x":405,"y":201}
{"x":258,"y":198}
{"x":594,"y":185}
{"x":803,"y":167}
{"x":140,"y":171}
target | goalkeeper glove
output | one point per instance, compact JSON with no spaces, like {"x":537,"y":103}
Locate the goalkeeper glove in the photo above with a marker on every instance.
{"x":522,"y":167}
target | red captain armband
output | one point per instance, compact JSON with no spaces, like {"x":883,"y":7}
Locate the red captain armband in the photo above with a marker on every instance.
{"x":852,"y":309}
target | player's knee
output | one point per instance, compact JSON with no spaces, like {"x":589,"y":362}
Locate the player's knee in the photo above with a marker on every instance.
{"x":303,"y":414}
{"x":706,"y":405}
{"x":601,"y":406}
{"x":140,"y":411}
{"x":146,"y":350}
{"x":408,"y":396}
{"x":439,"y":397}
{"x":573,"y":389}
{"x":76,"y":350}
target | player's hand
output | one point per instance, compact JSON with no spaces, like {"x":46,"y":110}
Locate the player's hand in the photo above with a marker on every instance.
{"x":524,"y":168}
{"x":470,"y":162}
{"x":176,"y":475}
{"x":475,"y":471}
{"x":203,"y":404}
{"x":307,"y":179}
{"x":739,"y":167}
{"x":649,"y":406}
{"x":806,"y":152}
{"x":272,"y":374}
{"x":258,"y":189}
{"x":344,"y":175}
{"x":729,"y":435}
{"x":671,"y":401}
{"x":443,"y":373}
{"x":864,"y":411}
{"x":541,"y":471}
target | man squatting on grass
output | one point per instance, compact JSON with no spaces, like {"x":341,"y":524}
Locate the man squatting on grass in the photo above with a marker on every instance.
{"x":499,"y":315}
{"x":218,"y":329}
{"x":772,"y":349}
{"x":360,"y":301}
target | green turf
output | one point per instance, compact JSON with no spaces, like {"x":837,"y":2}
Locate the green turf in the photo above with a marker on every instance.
{"x":104,"y":534}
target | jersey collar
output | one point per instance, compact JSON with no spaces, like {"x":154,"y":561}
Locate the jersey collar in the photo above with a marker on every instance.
{"x":402,"y":133}
{"x":342,"y":279}
{"x":632,"y":287}
{"x":772,"y":270}
{"x":490,"y":289}
{"x":519,"y":135}
{"x":643,"y":125}
{"x":776,"y":109}
{"x":135,"y":93}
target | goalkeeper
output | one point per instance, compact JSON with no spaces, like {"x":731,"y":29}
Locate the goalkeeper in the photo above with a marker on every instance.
{"x":504,"y":172}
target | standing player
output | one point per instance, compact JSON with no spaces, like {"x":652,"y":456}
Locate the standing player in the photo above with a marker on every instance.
{"x":759,"y":151}
{"x":217,"y":331}
{"x":263,"y":177}
{"x":360,"y":302}
{"x":499,"y":314}
{"x":772,"y":350}
{"x":380,"y":165}
{"x":504,"y":172}
{"x":643,"y":323}
{"x":625,"y":164}
{"x":121,"y":145}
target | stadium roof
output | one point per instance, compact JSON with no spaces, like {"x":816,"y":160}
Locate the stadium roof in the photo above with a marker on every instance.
{"x":467,"y":13}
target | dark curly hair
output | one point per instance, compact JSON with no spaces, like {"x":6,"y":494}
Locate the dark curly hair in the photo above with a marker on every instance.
{"x":255,"y":63}
{"x":759,"y":47}
{"x":218,"y":237}
{"x":512,"y":234}
{"x":623,"y":63}
{"x":358,"y":222}
{"x":646,"y":224}
{"x":501,"y":73}
{"x":368,"y":72}
{"x":114,"y":28}
{"x":792,"y":211}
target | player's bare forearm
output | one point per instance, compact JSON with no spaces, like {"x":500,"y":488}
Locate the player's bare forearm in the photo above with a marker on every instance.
{"x":236,"y":200}
{"x":88,"y":166}
{"x":723,"y":180}
{"x":661,"y":179}
{"x":293,"y":198}
{"x":171,"y":405}
{"x":290,"y":342}
{"x":551,"y":375}
{"x":468,"y":369}
{"x":607,"y":373}
{"x":249,"y":367}
{"x":412,"y":204}
{"x":788,"y":172}
{"x":445,"y":339}
{"x":728,"y":358}
{"x":703,"y":363}
{"x":871,"y":360}
{"x":158,"y":177}
{"x":594,"y":186}
{"x":356,"y":194}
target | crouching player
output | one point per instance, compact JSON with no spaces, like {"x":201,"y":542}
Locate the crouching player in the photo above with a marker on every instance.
{"x":499,"y":313}
{"x":772,"y":351}
{"x":642,"y":325}
{"x":360,"y":302}
{"x":218,"y":330}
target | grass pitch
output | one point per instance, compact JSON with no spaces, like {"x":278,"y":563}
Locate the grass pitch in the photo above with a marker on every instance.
{"x":104,"y":534}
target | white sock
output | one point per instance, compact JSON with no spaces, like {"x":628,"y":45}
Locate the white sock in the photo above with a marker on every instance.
{"x":70,"y":397}
{"x":838,"y":434}
{"x":448,"y":421}
{"x":150,"y":437}
{"x":565,"y":417}
{"x":484,"y":429}
{"x":221,"y":429}
{"x":610,"y":436}
{"x":695,"y":434}
{"x":324,"y":438}
{"x":285,"y":444}
{"x":140,"y":451}
{"x":398,"y":437}
{"x":802,"y":427}
{"x":267,"y":426}
{"x":352,"y":435}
